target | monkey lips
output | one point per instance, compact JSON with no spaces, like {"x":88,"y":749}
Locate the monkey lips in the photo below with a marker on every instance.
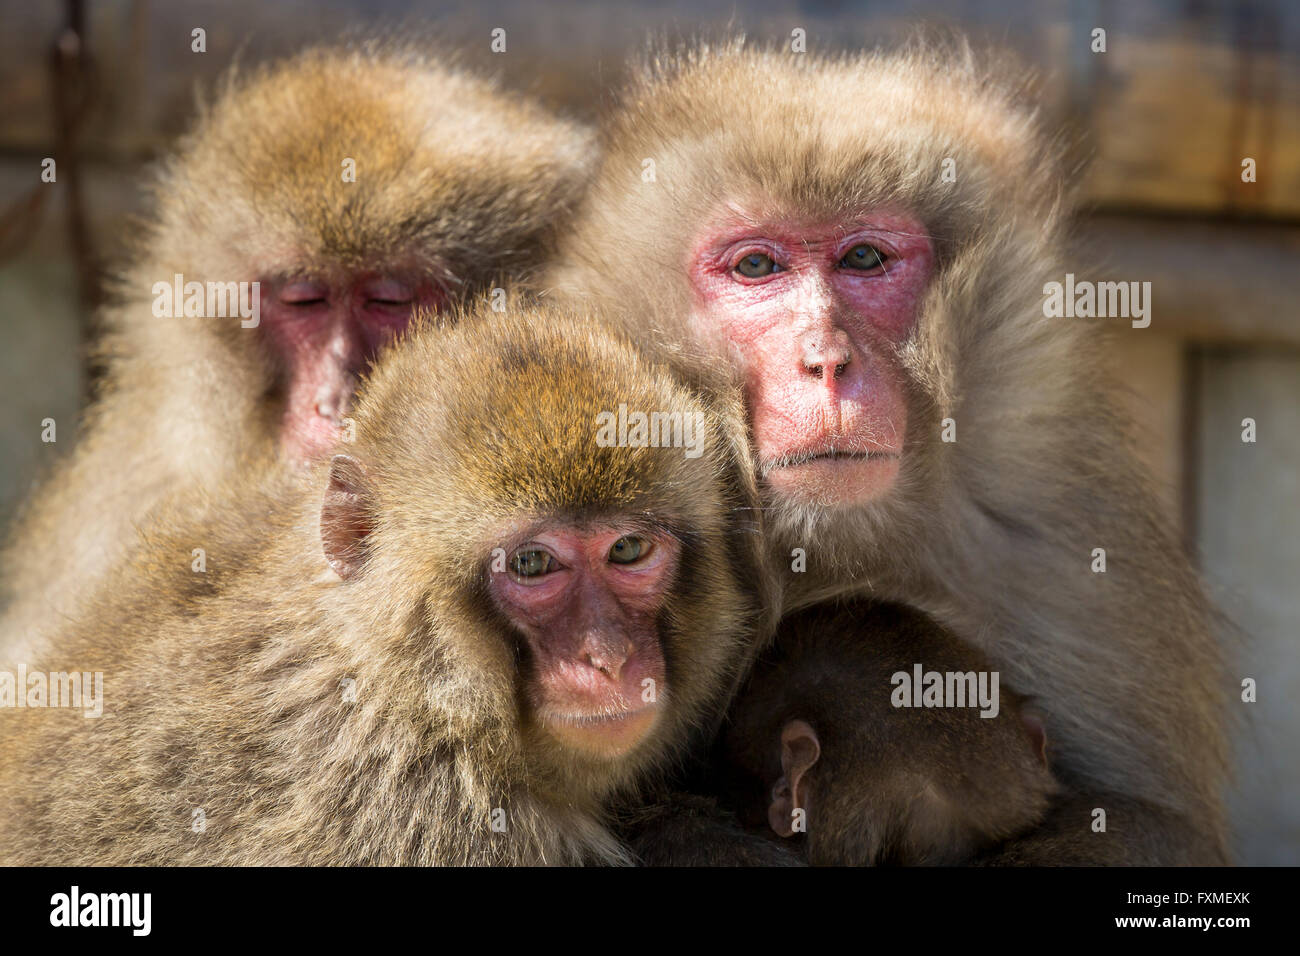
{"x":828,"y":443}
{"x":829,"y":475}
{"x":607,"y":735}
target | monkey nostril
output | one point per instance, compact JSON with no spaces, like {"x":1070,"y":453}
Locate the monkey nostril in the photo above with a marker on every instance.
{"x":610,"y":667}
{"x":818,"y":354}
{"x":609,"y":660}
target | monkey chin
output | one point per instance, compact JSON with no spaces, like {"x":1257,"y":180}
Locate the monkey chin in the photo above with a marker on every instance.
{"x":838,"y":480}
{"x":605,"y":736}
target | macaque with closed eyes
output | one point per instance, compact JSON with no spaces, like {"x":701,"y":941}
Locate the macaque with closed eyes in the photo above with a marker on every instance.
{"x":312,"y":207}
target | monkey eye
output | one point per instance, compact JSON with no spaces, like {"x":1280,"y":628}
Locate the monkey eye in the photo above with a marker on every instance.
{"x":531,"y":563}
{"x":389,"y":293}
{"x":756,"y":265}
{"x":865,"y":257}
{"x":628,"y":550}
{"x":304,"y":294}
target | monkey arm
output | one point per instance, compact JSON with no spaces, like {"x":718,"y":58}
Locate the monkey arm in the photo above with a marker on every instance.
{"x":683,"y":829}
{"x":1136,"y":834}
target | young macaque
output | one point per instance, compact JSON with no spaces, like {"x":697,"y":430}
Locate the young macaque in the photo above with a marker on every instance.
{"x":460,"y":642}
{"x":315,"y":203}
{"x":818,"y":749}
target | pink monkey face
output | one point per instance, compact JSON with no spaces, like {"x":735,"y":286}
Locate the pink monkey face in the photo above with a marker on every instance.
{"x":815,"y":312}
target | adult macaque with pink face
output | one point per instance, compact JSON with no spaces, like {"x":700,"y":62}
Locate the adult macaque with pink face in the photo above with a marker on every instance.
{"x":862,"y":241}
{"x":314,"y":206}
{"x":814,"y":312}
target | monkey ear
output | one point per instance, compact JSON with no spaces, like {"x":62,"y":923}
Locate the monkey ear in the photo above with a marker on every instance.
{"x":346,"y":518}
{"x":800,"y":749}
{"x":1036,"y":730}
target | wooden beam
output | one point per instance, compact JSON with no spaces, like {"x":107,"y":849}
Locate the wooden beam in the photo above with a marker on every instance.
{"x":1210,"y":281}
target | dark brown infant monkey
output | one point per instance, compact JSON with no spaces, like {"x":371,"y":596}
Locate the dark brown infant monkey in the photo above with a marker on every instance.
{"x":819,"y":750}
{"x":458,"y":643}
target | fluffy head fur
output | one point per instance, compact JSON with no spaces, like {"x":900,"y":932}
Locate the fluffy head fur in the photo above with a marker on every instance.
{"x":457,"y":175}
{"x":226,"y":690}
{"x":992,"y":534}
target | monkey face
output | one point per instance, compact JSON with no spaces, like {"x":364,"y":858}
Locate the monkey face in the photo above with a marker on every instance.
{"x":587,"y":605}
{"x":323,"y":332}
{"x":343,"y":259}
{"x":815,"y":313}
{"x":582,"y":572}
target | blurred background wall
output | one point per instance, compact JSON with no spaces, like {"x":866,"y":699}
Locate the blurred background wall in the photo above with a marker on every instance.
{"x":1184,"y":92}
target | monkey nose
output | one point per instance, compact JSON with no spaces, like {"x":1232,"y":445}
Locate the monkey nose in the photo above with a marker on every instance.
{"x":823,"y":353}
{"x":607,"y":656}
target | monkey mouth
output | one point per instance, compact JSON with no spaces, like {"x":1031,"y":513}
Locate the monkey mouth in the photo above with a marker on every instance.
{"x":832,"y":477}
{"x":795,"y":459}
{"x":606,"y":733}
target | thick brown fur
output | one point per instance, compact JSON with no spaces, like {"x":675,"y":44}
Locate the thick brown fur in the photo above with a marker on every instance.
{"x":455,"y":179}
{"x":909,"y":786}
{"x":991,"y":534}
{"x":224,"y":691}
{"x":695,"y":828}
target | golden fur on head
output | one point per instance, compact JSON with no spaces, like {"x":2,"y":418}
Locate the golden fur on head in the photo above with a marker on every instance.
{"x":991,"y":533}
{"x":454,"y":179}
{"x":227,"y":690}
{"x":808,"y":138}
{"x":457,"y":175}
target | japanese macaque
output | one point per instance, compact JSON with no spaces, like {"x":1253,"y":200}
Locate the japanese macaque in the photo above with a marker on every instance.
{"x":865,"y":239}
{"x":835,"y":744}
{"x":456,"y":643}
{"x":312,"y":207}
